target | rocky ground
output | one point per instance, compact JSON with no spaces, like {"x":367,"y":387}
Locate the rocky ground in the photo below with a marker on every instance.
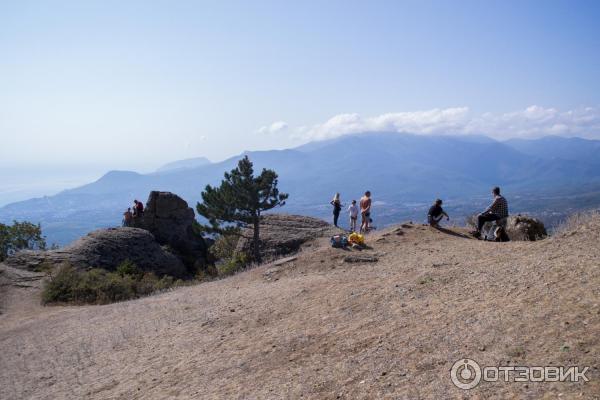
{"x":385,"y":322}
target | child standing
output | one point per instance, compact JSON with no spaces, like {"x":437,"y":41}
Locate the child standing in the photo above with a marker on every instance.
{"x":353,"y":210}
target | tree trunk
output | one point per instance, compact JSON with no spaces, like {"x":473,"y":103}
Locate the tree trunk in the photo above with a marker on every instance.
{"x":256,"y":239}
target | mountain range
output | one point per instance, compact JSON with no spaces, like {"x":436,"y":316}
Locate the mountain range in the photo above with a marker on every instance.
{"x":548,"y":177}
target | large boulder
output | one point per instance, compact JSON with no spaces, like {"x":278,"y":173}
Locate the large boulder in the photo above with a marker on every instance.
{"x":282,"y":234}
{"x":106,"y":248}
{"x":169,"y":218}
{"x":522,"y":227}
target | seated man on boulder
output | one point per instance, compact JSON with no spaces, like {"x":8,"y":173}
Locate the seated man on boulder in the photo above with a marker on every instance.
{"x":436,"y":213}
{"x":496,"y":211}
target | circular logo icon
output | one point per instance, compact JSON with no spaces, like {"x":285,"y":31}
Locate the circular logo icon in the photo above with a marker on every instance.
{"x":465,"y":374}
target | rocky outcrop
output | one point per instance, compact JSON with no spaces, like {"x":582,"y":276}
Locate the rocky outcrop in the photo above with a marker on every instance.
{"x":169,"y":218}
{"x":162,"y":241}
{"x":522,"y":227}
{"x":282,"y":234}
{"x":105,"y":248}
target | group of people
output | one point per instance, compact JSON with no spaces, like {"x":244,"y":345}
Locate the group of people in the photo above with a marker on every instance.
{"x":364,"y":208}
{"x":496,"y":211}
{"x":129,"y":215}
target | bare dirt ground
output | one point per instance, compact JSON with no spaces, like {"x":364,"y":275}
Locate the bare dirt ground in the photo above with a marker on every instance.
{"x":323,"y":327}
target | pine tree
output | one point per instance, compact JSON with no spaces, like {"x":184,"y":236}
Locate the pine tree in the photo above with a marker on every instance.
{"x":239,"y":201}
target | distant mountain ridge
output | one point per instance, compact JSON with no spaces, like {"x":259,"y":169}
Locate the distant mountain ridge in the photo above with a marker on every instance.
{"x":405,"y":173}
{"x":559,"y":148}
{"x":188,"y":163}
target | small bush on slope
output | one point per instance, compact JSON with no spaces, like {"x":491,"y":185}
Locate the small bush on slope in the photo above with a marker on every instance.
{"x":98,"y":286}
{"x":230,"y":260}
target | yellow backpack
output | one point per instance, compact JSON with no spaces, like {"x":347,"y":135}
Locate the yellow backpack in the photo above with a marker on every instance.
{"x":356,"y":238}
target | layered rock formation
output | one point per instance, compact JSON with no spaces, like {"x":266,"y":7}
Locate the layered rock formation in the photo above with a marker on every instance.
{"x":169,"y":218}
{"x":106,"y":248}
{"x":282,"y":234}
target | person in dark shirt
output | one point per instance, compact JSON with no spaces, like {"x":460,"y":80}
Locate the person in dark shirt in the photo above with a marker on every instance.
{"x":138,"y":208}
{"x":337,"y":207}
{"x":436,"y":213}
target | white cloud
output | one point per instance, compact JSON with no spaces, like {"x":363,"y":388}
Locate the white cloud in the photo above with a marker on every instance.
{"x":275,"y":127}
{"x":534,"y":121}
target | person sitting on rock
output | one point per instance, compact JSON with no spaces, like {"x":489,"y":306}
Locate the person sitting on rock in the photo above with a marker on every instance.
{"x":496,"y":211}
{"x":138,"y":208}
{"x":127,"y":217}
{"x":436,"y":213}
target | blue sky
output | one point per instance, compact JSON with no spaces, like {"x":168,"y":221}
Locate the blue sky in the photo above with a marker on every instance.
{"x":97,"y":85}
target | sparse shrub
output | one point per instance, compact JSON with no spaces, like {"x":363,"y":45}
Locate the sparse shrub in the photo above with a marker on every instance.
{"x":231,"y":261}
{"x":106,"y":287}
{"x":61,"y":286}
{"x":98,"y":286}
{"x":232,"y":265}
{"x":147,"y":284}
{"x":471,"y":221}
{"x":127,"y":267}
{"x":207,"y":274}
{"x":224,"y":247}
{"x":165,"y":282}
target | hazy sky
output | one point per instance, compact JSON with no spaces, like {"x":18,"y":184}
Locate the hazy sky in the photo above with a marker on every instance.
{"x":94,"y":85}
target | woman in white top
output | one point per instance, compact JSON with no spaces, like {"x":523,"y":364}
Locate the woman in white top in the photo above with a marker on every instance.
{"x":353,"y":210}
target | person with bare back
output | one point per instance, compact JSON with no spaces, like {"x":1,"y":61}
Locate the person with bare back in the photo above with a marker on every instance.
{"x":365,"y":211}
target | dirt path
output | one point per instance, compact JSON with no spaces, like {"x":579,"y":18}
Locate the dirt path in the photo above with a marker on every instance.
{"x":322,"y":326}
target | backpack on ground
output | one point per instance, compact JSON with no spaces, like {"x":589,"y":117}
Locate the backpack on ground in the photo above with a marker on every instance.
{"x":339,"y":241}
{"x":356,"y":238}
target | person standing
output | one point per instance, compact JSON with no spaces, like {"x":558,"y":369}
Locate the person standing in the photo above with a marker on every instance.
{"x":127,"y":217}
{"x":365,"y":211}
{"x":353,"y":211}
{"x":337,"y":208}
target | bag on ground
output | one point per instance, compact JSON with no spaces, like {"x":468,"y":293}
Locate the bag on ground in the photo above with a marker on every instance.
{"x":339,"y":241}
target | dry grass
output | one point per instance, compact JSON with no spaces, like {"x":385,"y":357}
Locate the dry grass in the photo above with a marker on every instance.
{"x":318,"y":327}
{"x":576,"y":221}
